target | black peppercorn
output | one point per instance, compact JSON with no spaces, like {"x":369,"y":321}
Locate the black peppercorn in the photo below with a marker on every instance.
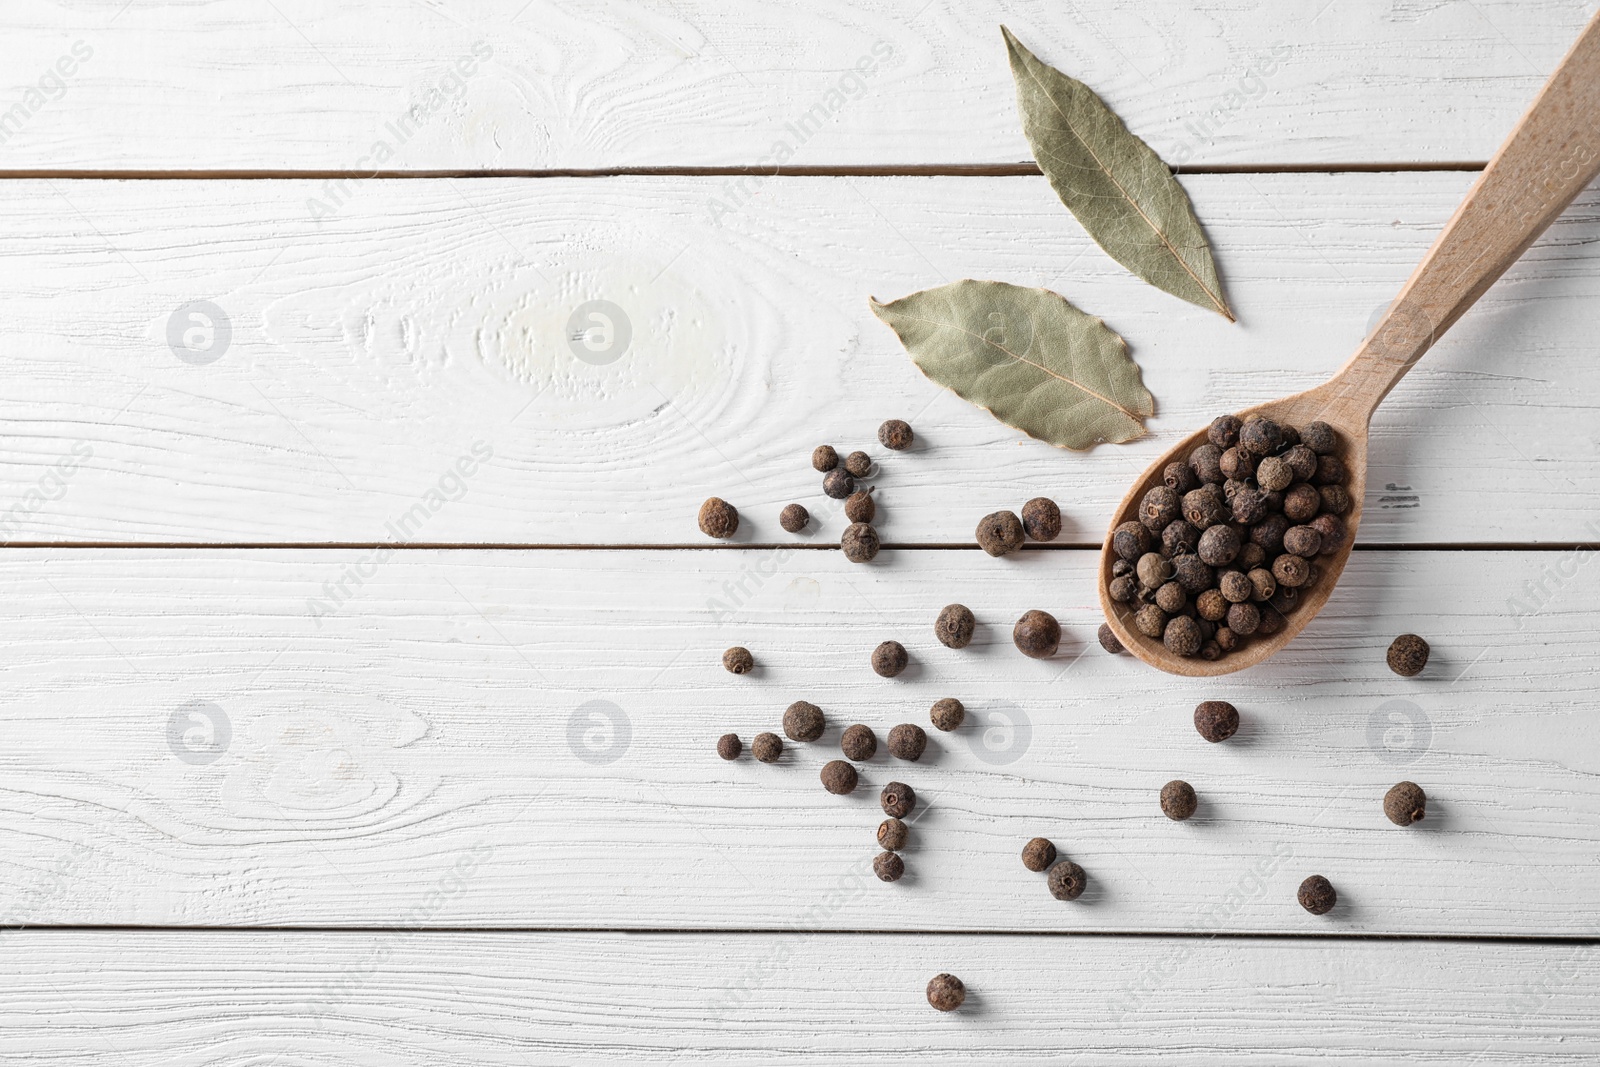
{"x":729,"y":746}
{"x":1178,"y":800}
{"x":1108,"y":639}
{"x":824,"y":458}
{"x":1182,"y":636}
{"x":738,"y":660}
{"x":859,"y":506}
{"x":1206,"y":463}
{"x":838,"y":484}
{"x":999,"y":533}
{"x":1159,"y":507}
{"x":888,"y":867}
{"x":897,"y":799}
{"x":1130,"y":540}
{"x":1405,"y":804}
{"x":1211,"y":605}
{"x":1274,"y":474}
{"x":1319,"y":437}
{"x":907,"y":741}
{"x":1243,"y":619}
{"x":838,"y":777}
{"x":1330,"y":471}
{"x":1216,"y":720}
{"x":1067,"y":880}
{"x":794,"y":518}
{"x":1335,"y":499}
{"x":895,"y":435}
{"x":1218,"y":546}
{"x":858,"y":464}
{"x":1150,"y":620}
{"x":1317,"y":895}
{"x":1260,"y":436}
{"x":803,"y":721}
{"x":859,"y":542}
{"x":946,"y":992}
{"x":1333,"y":531}
{"x":718,"y":518}
{"x":1302,"y":541}
{"x":1041,"y":519}
{"x":1037,"y":634}
{"x":889,"y":659}
{"x":767,"y":748}
{"x":954,"y":626}
{"x":947,"y":714}
{"x":1171,"y":598}
{"x":1193,"y":574}
{"x":1038,"y":854}
{"x":892,"y":834}
{"x":1408,"y":654}
{"x":858,"y":743}
{"x":1223,"y":431}
{"x":1178,"y":477}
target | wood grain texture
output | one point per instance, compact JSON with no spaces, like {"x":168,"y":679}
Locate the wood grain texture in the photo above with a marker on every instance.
{"x":517,"y":999}
{"x":547,"y":720}
{"x":298,"y":85}
{"x":369,"y":353}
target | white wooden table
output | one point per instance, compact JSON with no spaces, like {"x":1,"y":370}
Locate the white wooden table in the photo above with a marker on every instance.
{"x":280,"y":788}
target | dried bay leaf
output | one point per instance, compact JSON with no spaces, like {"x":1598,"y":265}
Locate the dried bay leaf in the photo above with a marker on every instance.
{"x":1115,"y":184}
{"x":1028,"y":357}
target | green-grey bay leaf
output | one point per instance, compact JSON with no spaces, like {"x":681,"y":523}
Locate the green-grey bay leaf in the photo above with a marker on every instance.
{"x":1028,"y":357}
{"x":1115,"y":184}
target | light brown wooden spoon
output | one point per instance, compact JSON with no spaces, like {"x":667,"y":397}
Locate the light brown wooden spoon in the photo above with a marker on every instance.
{"x":1551,"y":156}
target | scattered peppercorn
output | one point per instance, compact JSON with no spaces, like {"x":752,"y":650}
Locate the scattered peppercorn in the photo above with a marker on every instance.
{"x":858,"y":464}
{"x":954,"y":626}
{"x":1178,"y":800}
{"x":838,"y":777}
{"x":859,"y":507}
{"x":889,"y":659}
{"x":859,"y":542}
{"x":897,"y":799}
{"x":945,"y":992}
{"x":1038,"y":854}
{"x":1405,"y":803}
{"x":1317,"y":895}
{"x":1108,"y":639}
{"x":838,"y":484}
{"x":1216,"y":720}
{"x":803,"y":721}
{"x":718,"y":518}
{"x":999,"y":533}
{"x":895,"y":435}
{"x":1067,"y":880}
{"x":1408,"y":654}
{"x":888,"y":867}
{"x":947,"y":714}
{"x":738,"y":660}
{"x":767,"y":747}
{"x":794,"y":518}
{"x":858,"y":743}
{"x":1037,"y":634}
{"x":892,"y":834}
{"x":907,"y":741}
{"x":824,"y":458}
{"x":729,"y":746}
{"x":1041,"y":519}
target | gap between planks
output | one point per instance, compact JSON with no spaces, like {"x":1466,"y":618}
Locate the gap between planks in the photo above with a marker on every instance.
{"x":755,"y":546}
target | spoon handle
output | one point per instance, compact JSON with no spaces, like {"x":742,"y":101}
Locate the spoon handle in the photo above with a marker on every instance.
{"x":1551,"y":156}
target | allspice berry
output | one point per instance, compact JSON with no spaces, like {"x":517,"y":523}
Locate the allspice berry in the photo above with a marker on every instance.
{"x":999,"y":533}
{"x":1041,"y":519}
{"x":907,"y":741}
{"x":860,"y":542}
{"x":767,"y":748}
{"x":1108,"y":639}
{"x":794,"y":518}
{"x":1224,"y":431}
{"x":945,"y":992}
{"x":895,"y":435}
{"x":838,"y":777}
{"x":858,"y":464}
{"x":738,"y":660}
{"x":858,"y":743}
{"x":1182,"y":636}
{"x":1405,"y":804}
{"x":1178,"y":800}
{"x":1067,"y":880}
{"x":1317,"y":895}
{"x":1408,"y":654}
{"x":1130,"y":540}
{"x":1158,"y":507}
{"x":897,"y":799}
{"x":824,"y":458}
{"x":1216,"y":720}
{"x":954,"y":626}
{"x":1038,"y":854}
{"x":1150,"y":620}
{"x":1037,"y":634}
{"x":892,"y":834}
{"x":1319,"y":437}
{"x":718,"y":518}
{"x":888,"y":867}
{"x":859,"y":507}
{"x":803,"y":721}
{"x":889,"y":659}
{"x":838,"y":484}
{"x":1218,"y":545}
{"x":729,"y":746}
{"x":1260,"y":436}
{"x":947,"y":714}
{"x":1274,"y":474}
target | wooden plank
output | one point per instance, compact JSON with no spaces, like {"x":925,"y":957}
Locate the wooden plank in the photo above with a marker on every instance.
{"x":200,"y":737}
{"x":367,"y":358}
{"x":397,"y":998}
{"x":400,"y":85}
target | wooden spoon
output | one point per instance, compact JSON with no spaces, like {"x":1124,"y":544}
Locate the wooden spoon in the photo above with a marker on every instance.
{"x":1551,"y":156}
